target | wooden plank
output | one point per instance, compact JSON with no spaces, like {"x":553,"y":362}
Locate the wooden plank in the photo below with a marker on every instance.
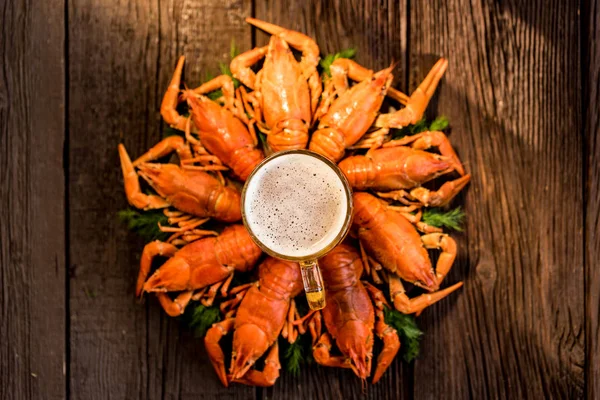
{"x":591,"y":93}
{"x":32,"y":196}
{"x":121,"y":57}
{"x":512,"y":96}
{"x":378,"y":31}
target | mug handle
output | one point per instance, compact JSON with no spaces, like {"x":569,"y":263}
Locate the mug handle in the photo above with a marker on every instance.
{"x":313,"y":284}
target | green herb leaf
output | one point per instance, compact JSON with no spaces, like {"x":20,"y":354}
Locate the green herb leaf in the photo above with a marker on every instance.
{"x":233,"y":49}
{"x":326,"y":61}
{"x":451,"y":219}
{"x":168,"y":131}
{"x":297,"y":354}
{"x":409,"y":130}
{"x":145,"y":223}
{"x":224,"y":68}
{"x":408,"y":331}
{"x":439,"y":124}
{"x":216,"y":95}
{"x":294,"y":356}
{"x":199,"y":318}
{"x":263,"y":139}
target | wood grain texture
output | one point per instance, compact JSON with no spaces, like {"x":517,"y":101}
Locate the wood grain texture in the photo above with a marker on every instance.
{"x":512,"y":95}
{"x":32,"y":195}
{"x":378,"y":31}
{"x":591,"y":96}
{"x":522,"y":85}
{"x":122,"y":55}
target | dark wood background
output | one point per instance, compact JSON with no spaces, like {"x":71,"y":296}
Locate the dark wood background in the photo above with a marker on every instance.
{"x":522,"y":93}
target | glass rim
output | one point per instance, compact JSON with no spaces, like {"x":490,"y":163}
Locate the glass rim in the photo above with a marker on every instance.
{"x":347,"y":220}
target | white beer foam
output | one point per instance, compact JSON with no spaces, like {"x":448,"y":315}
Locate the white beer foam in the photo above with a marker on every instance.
{"x":296,"y":205}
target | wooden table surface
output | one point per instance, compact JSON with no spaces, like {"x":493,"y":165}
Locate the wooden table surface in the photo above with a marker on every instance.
{"x":521,"y":93}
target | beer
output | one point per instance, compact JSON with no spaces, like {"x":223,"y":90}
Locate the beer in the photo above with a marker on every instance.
{"x":297,"y":205}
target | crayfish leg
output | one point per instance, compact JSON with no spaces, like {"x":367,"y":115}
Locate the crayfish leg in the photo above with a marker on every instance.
{"x":299,"y":41}
{"x":328,"y":95}
{"x":214,"y":350}
{"x":174,"y":308}
{"x":398,"y":96}
{"x":289,"y":332}
{"x":240,"y":65}
{"x":151,"y":250}
{"x":371,"y":140}
{"x":315,"y":327}
{"x":168,"y":106}
{"x":343,"y":69}
{"x":376,"y":295}
{"x":428,"y":139}
{"x":415,"y":219}
{"x":446,"y":258}
{"x":165,"y":147}
{"x":322,"y":354}
{"x":316,"y":89}
{"x":225,"y":84}
{"x":268,"y":375}
{"x":443,"y":195}
{"x":406,"y":305}
{"x":231,"y":304}
{"x":391,"y":345}
{"x":132,"y":186}
{"x":418,"y":101}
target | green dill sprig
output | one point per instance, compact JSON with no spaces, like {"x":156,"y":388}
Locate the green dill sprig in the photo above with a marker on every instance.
{"x":408,"y":332}
{"x":168,"y":131}
{"x":234,"y":51}
{"x":297,"y":354}
{"x":326,"y":61}
{"x":145,"y":223}
{"x":438,"y":124}
{"x":294,"y":357}
{"x":263,"y":140}
{"x":199,"y":318}
{"x":451,"y":219}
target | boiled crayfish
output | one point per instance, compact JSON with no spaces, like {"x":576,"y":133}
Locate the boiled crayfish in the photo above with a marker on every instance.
{"x":396,"y":167}
{"x":194,"y":192}
{"x":395,"y":243}
{"x":196,"y":266}
{"x":350,"y":318}
{"x":267,"y":307}
{"x":221,"y":129}
{"x":356,"y":109}
{"x":286,"y":92}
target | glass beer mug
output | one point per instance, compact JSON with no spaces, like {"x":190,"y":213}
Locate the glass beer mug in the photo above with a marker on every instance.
{"x":297,"y":206}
